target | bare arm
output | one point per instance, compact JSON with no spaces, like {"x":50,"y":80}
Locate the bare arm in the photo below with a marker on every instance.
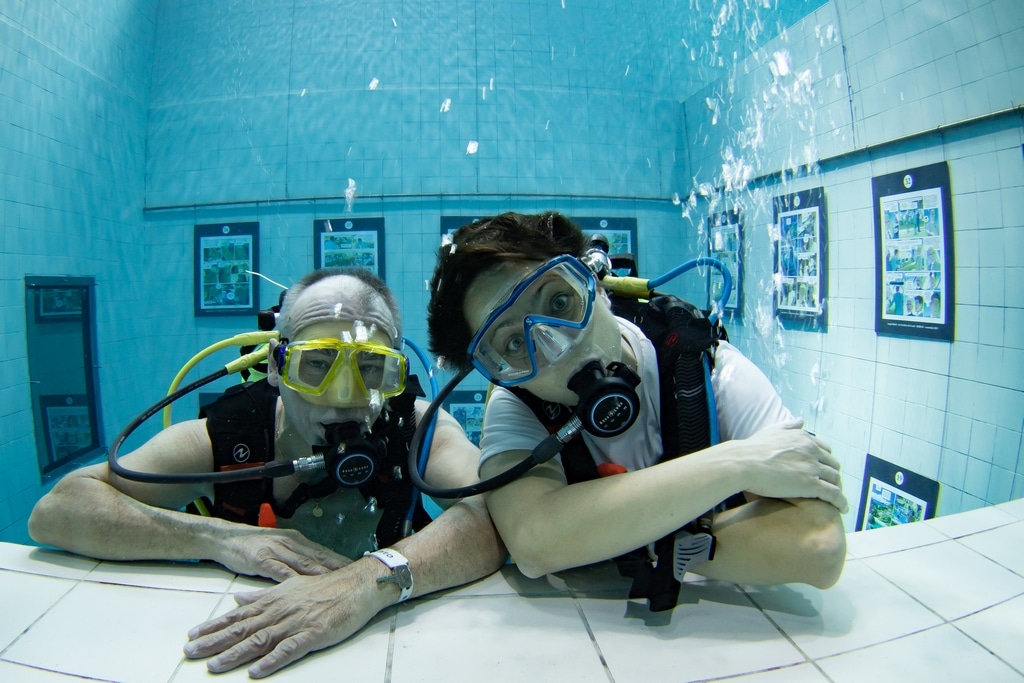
{"x":280,"y":625}
{"x":461,"y":545}
{"x":771,"y":541}
{"x":549,"y":526}
{"x":93,"y":512}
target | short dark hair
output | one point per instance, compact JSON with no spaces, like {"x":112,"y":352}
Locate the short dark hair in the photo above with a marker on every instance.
{"x":375,"y":287}
{"x":481,"y":245}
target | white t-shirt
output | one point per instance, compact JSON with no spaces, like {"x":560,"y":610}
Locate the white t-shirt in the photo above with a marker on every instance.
{"x":746,"y":402}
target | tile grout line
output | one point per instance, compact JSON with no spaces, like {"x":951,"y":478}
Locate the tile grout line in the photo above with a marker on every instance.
{"x":980,"y":644}
{"x":74,"y":583}
{"x":593,"y":638}
{"x":943,"y":622}
{"x":392,"y":635}
{"x":807,"y":658}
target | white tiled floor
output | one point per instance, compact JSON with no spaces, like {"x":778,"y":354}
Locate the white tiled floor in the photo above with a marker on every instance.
{"x":942,"y":600}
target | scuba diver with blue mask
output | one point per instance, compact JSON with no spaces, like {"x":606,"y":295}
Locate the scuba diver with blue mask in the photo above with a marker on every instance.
{"x":337,"y":392}
{"x":757,"y":502}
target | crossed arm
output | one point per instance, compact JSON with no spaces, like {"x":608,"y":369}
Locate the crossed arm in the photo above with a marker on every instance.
{"x":790,"y":531}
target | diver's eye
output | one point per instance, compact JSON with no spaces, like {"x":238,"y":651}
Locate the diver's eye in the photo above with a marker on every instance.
{"x":515,"y":346}
{"x":312,"y":366}
{"x":371,"y":369}
{"x":317,"y":365}
{"x":560,"y":304}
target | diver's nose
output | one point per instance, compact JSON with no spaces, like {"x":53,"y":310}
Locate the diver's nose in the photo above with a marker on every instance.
{"x":553,"y":342}
{"x":344,"y":390}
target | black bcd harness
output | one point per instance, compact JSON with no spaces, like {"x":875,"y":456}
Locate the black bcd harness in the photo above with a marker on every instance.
{"x":241,"y":426}
{"x":684,"y":339}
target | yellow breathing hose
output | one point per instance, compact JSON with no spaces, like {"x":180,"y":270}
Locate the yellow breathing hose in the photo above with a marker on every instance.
{"x":626,"y":286}
{"x":241,"y":363}
{"x":638,"y":288}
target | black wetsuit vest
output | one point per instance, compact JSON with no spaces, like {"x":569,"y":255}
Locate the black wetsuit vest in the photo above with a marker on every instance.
{"x":241,"y":427}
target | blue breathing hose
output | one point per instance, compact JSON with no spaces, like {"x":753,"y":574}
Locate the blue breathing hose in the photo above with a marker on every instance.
{"x":429,"y":436}
{"x":693,"y":263}
{"x":423,"y":445}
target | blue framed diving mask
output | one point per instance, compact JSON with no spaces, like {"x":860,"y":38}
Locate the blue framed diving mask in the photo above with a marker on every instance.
{"x":537,"y":324}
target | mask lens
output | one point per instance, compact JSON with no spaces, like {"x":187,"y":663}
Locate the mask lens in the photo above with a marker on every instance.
{"x":312,"y":366}
{"x":546,"y":311}
{"x":383,"y":372}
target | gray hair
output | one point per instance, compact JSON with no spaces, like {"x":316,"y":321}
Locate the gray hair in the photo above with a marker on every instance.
{"x":372,"y":295}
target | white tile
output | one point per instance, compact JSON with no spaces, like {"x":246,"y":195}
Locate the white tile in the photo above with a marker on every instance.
{"x":16,"y":673}
{"x":495,"y":639}
{"x":938,"y":654}
{"x":801,"y":673}
{"x":24,"y":598}
{"x":927,"y":573}
{"x":1014,"y":507}
{"x":715,"y":632}
{"x":44,"y":561}
{"x":971,"y":522}
{"x":861,"y":609}
{"x":891,"y":539}
{"x":115,"y":633}
{"x":206,"y":577}
{"x":999,"y":629}
{"x":1004,"y":545}
{"x":363,"y":657}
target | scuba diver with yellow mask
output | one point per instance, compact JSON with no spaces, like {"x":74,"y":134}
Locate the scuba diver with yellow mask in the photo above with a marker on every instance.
{"x":337,"y":393}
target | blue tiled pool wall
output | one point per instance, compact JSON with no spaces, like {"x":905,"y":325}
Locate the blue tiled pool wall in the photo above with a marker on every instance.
{"x":131,"y":123}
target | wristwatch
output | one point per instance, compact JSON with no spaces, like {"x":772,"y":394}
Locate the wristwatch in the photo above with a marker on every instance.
{"x":400,"y":573}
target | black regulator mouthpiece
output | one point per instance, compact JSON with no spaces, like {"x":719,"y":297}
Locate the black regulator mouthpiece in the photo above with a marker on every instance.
{"x":349,"y":456}
{"x":608,"y":403}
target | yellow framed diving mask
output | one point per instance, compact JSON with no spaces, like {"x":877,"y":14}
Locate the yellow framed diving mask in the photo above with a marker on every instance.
{"x":311,"y":366}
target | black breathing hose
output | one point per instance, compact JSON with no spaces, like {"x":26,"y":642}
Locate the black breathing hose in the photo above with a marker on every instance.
{"x":545,"y":450}
{"x":274,"y":469}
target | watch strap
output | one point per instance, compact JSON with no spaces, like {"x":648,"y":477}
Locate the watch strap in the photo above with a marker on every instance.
{"x":399,"y":566}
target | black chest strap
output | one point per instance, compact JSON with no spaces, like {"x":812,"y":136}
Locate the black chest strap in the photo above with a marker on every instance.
{"x":241,"y":427}
{"x":684,"y":341}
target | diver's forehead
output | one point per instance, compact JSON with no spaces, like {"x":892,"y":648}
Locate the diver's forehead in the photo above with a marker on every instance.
{"x":491,"y":287}
{"x":342,"y":303}
{"x":344,"y":331}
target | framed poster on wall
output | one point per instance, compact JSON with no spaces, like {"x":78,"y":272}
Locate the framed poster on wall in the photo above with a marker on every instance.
{"x":801,"y":258}
{"x":621,"y":236}
{"x":467,"y":407}
{"x":60,"y":304}
{"x":349,"y":242}
{"x":725,"y":243}
{"x":68,"y":425}
{"x":892,"y":495}
{"x":226,"y":256}
{"x":914,"y":253}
